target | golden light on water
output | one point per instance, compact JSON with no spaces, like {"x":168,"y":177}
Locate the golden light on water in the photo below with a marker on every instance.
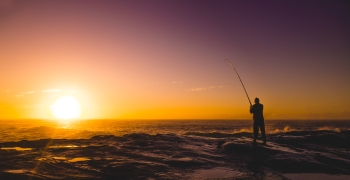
{"x":66,"y":108}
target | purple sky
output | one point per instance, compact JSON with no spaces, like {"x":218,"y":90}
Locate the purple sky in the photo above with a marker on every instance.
{"x":165,"y":59}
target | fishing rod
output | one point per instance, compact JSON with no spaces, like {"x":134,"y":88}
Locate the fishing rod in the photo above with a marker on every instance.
{"x":240,"y":80}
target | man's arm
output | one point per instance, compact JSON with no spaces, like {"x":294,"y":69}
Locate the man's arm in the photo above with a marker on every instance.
{"x":251,"y":110}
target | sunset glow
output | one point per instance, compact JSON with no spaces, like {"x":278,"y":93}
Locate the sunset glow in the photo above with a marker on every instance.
{"x":166,"y":59}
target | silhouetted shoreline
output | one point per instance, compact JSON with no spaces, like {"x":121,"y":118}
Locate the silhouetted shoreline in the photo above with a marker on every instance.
{"x":170,"y":156}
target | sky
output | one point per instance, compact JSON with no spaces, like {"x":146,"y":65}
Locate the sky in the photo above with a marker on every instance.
{"x":159,"y":59}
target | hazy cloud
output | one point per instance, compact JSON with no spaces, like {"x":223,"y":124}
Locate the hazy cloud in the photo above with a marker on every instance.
{"x":205,"y":88}
{"x":51,"y":90}
{"x":58,"y":90}
{"x":196,"y":89}
{"x":21,"y":94}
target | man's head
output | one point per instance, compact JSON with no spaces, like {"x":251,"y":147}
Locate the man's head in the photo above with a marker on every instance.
{"x":256,"y":100}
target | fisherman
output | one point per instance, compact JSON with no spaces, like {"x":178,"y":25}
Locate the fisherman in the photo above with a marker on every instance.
{"x":257,"y":111}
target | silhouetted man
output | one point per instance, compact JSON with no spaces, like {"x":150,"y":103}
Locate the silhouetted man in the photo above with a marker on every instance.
{"x":257,"y":110}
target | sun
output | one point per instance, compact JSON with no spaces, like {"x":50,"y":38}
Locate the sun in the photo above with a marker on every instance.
{"x":66,"y":107}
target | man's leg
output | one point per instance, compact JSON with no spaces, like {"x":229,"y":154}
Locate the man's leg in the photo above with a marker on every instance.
{"x":262,"y":129}
{"x":256,"y":131}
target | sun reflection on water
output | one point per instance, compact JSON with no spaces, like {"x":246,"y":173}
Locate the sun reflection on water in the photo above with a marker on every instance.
{"x":65,"y":125}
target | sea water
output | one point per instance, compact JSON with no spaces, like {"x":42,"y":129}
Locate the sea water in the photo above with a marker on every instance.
{"x":15,"y":130}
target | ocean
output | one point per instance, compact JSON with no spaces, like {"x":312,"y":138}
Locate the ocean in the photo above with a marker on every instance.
{"x":173,"y":149}
{"x":15,"y":130}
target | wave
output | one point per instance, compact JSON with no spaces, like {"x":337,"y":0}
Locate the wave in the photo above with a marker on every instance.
{"x":32,"y":130}
{"x":326,"y":128}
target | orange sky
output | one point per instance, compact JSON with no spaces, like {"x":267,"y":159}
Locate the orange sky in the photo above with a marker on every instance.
{"x":165,"y":59}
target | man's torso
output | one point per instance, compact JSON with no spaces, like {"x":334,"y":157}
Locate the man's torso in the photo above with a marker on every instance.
{"x":257,"y":111}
